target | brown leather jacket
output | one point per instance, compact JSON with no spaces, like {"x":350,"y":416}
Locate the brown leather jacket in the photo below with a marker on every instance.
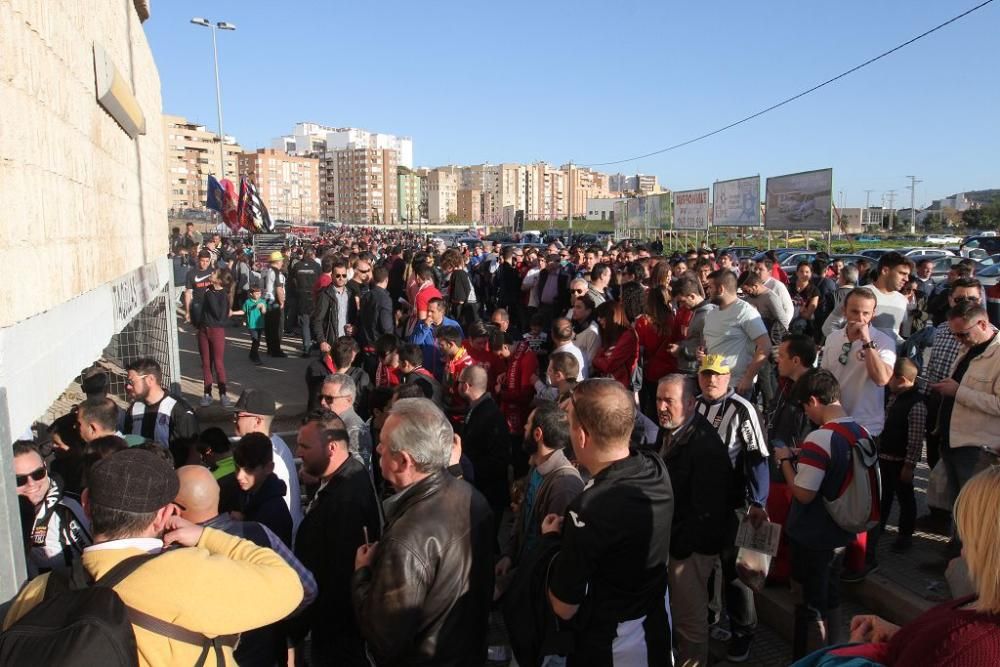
{"x":425,"y":600}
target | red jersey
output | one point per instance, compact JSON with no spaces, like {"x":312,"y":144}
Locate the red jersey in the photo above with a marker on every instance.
{"x":454,"y":402}
{"x":517,"y":389}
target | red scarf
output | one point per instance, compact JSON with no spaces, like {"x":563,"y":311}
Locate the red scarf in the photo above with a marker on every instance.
{"x":513,"y":380}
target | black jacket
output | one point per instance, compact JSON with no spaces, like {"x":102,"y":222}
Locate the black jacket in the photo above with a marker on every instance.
{"x":327,"y":541}
{"x":267,"y":506}
{"x":303,"y":276}
{"x":324,"y":317}
{"x":376,"y":316}
{"x":426,"y":598}
{"x":432,"y":388}
{"x":508,"y":287}
{"x":699,"y":468}
{"x":486,"y":441}
{"x":561,"y":302}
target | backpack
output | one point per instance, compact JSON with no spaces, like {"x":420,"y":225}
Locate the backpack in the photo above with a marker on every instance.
{"x":856,"y":507}
{"x":84,"y":622}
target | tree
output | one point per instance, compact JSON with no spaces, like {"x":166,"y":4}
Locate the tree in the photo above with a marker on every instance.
{"x":985,"y":217}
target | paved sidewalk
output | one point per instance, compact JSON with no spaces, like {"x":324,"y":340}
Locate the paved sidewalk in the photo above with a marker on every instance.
{"x":284,"y":378}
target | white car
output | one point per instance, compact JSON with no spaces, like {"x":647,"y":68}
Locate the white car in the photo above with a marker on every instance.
{"x":917,"y":253}
{"x":935,"y":239}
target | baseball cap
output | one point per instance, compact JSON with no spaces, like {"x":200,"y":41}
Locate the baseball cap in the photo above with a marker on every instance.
{"x":256,"y":402}
{"x":714,"y":363}
{"x":276,"y":256}
{"x":132,"y":480}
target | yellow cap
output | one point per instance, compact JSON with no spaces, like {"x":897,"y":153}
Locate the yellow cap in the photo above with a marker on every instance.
{"x":714,"y":363}
{"x":276,"y":256}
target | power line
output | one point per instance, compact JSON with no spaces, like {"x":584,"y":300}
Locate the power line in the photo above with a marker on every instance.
{"x":795,"y":97}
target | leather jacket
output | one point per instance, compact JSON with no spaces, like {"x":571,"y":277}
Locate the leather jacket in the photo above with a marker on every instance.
{"x":425,"y":599}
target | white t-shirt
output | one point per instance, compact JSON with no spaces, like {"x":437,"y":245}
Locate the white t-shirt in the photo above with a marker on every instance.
{"x":731,"y":332}
{"x":861,"y":397}
{"x":285,"y":470}
{"x":588,"y":341}
{"x":571,"y":348}
{"x":890,"y":311}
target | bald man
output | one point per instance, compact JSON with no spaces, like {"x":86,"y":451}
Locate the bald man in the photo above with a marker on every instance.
{"x":485,"y":439}
{"x":198,"y":500}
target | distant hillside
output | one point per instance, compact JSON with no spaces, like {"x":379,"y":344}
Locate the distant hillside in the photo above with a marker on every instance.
{"x":983,"y":196}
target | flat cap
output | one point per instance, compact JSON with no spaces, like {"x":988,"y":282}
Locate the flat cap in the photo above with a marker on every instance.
{"x":133,"y":480}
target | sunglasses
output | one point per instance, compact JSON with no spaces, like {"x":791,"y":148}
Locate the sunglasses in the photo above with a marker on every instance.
{"x":37,"y":475}
{"x":579,"y":291}
{"x":845,"y":353}
{"x":340,"y":275}
{"x":240,"y":415}
{"x":963,"y":335}
{"x":131,"y":381}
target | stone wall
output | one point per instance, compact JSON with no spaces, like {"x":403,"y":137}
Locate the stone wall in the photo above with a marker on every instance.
{"x":81,"y":203}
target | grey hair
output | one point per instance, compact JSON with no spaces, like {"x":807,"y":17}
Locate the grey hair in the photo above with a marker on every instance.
{"x":477,"y":377}
{"x":686,"y":383}
{"x":423,"y":432}
{"x":850,"y":274}
{"x":346,"y":383}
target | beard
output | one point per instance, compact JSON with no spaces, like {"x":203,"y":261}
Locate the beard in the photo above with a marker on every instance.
{"x":529,"y":446}
{"x":716,"y":299}
{"x":317,"y":468}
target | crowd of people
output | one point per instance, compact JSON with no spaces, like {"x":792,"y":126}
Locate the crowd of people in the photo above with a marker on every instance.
{"x":570,"y":435}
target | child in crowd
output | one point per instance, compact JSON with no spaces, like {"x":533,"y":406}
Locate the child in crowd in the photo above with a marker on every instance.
{"x":263,"y":493}
{"x":254,"y":308}
{"x":561,"y":376}
{"x":537,"y":338}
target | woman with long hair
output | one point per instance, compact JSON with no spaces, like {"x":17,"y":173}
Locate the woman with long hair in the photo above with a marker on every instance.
{"x":656,"y":333}
{"x":618,"y":355}
{"x":216,"y":312}
{"x":960,"y":632}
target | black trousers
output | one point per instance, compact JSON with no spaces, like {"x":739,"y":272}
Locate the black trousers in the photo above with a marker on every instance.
{"x":892,"y":488}
{"x":274,"y":329}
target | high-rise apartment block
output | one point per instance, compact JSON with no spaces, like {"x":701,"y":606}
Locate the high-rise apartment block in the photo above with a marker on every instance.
{"x":192,"y":154}
{"x":360,"y":186}
{"x":408,"y":186}
{"x":315,"y":139}
{"x":639,"y":183}
{"x":470,"y":205}
{"x":288,"y":184}
{"x":442,"y":194}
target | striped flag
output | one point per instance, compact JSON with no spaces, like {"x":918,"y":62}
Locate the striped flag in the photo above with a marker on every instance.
{"x":252,"y":212}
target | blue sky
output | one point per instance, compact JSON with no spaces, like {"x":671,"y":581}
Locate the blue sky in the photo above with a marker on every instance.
{"x":476,"y":82}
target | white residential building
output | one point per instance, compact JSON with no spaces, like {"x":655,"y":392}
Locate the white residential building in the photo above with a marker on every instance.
{"x":313,"y":138}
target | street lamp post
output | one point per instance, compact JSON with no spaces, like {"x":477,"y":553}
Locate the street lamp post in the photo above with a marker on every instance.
{"x":221,"y":25}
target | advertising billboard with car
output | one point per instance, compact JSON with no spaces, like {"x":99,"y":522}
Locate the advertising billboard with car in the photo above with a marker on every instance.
{"x":799,"y":201}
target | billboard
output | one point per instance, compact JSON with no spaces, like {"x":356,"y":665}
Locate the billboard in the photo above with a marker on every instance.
{"x":736,"y":203}
{"x":691,"y":209}
{"x":847,"y":221}
{"x":799,"y":201}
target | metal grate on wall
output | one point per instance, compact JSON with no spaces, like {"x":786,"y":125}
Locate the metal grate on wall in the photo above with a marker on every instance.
{"x":148,"y":334}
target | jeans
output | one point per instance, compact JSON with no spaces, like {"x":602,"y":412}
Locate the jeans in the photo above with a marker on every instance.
{"x":739,"y":597}
{"x":892,"y":487}
{"x":255,"y":344}
{"x":960,"y":463}
{"x":816,"y":581}
{"x":306,"y":332}
{"x":212,"y":347}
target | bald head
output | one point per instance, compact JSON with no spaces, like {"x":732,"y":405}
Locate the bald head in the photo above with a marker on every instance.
{"x":477,"y":378}
{"x":198,"y":494}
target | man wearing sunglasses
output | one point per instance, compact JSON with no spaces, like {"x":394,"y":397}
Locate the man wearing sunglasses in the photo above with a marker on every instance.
{"x":861,"y":358}
{"x":969,"y":417}
{"x":60,"y":530}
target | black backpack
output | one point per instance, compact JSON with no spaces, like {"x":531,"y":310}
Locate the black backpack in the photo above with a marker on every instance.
{"x":83,"y":622}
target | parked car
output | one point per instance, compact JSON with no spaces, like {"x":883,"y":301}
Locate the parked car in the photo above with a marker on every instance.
{"x":740,"y":251}
{"x":989,"y":244}
{"x":941,"y":239}
{"x":848,"y":258}
{"x":917,"y":253}
{"x":867,"y":238}
{"x":989,"y":275}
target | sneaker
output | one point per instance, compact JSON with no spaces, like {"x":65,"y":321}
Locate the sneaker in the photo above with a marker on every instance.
{"x":901,"y":545}
{"x":739,"y":648}
{"x":226,"y":403}
{"x":859,"y":576}
{"x":206,"y":400}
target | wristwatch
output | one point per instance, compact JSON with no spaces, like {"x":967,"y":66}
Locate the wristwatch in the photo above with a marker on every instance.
{"x":870,"y":345}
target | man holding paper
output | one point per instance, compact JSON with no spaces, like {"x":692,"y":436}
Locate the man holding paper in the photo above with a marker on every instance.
{"x":739,"y":426}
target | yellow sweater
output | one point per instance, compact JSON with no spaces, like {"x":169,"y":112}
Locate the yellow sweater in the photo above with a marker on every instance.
{"x":223,"y":586}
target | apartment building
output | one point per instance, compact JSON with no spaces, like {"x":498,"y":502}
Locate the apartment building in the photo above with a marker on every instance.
{"x":316,"y":139}
{"x":470,"y":205}
{"x":442,"y":194}
{"x":288,"y":184}
{"x":408,"y":185}
{"x":361,"y":186}
{"x":191,"y":155}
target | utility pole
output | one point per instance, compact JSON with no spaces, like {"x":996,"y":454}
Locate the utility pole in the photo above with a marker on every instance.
{"x":866,"y":219}
{"x":569,"y":206}
{"x":892,"y":199}
{"x":221,"y":25}
{"x":912,"y":187}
